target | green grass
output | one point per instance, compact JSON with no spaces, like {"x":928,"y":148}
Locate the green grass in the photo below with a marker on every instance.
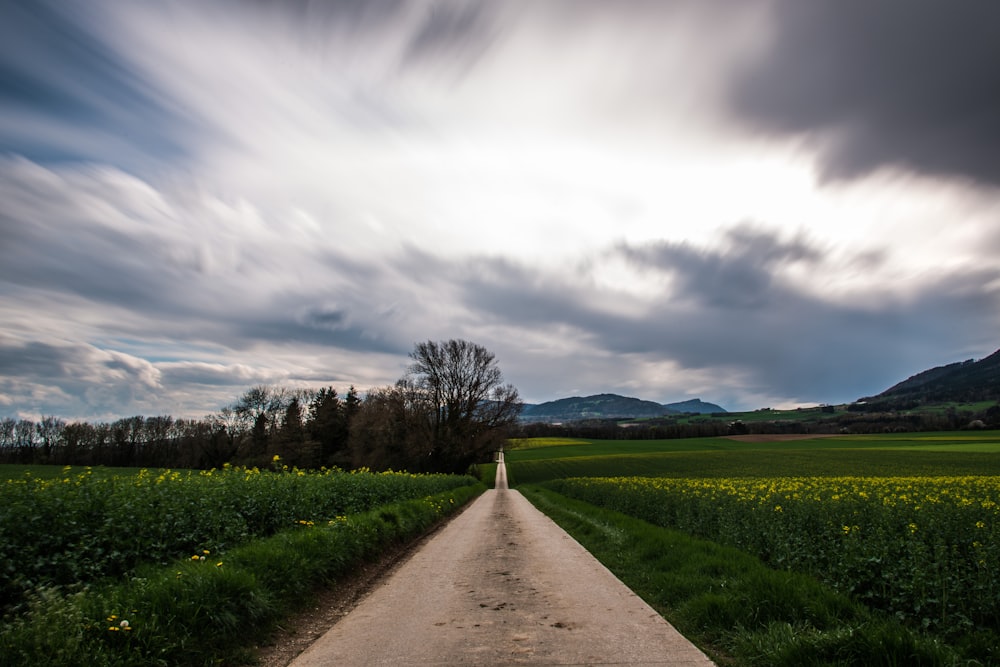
{"x":733,"y":606}
{"x":958,"y":453}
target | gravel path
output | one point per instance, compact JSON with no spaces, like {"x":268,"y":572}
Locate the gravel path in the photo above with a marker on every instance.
{"x":502,"y":584}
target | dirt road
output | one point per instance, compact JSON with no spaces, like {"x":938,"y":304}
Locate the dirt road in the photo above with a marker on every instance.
{"x":502,"y":585}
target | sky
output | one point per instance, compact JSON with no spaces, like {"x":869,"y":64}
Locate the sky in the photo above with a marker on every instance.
{"x":767,"y":203}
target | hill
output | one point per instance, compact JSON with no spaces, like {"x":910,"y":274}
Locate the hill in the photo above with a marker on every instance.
{"x":696,"y":406}
{"x":609,"y":406}
{"x":963,"y":382}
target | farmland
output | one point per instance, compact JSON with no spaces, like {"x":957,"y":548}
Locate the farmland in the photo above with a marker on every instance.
{"x":912,"y":454}
{"x":906,"y":524}
{"x":175,"y":567}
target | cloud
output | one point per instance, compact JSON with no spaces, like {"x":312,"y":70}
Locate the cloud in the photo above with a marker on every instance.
{"x":203,"y":195}
{"x":737,"y":312}
{"x":58,"y":377}
{"x":901,"y":84}
{"x":66,"y":95}
{"x":169,"y":298}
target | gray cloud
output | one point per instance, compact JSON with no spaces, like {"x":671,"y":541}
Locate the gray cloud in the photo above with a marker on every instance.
{"x":742,"y":279}
{"x":736,"y":311}
{"x":307,"y":188}
{"x":80,"y":101}
{"x":900,"y":83}
{"x":49,"y":377}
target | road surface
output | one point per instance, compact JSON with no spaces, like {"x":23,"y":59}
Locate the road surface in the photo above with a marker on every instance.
{"x":502,"y":584}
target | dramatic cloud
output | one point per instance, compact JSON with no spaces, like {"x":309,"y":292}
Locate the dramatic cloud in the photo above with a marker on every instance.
{"x":882,"y":84}
{"x":200,"y":197}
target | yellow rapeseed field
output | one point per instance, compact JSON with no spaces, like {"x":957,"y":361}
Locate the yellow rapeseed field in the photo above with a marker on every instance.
{"x":924,"y":548}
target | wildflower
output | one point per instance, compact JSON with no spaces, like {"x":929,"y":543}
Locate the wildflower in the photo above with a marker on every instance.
{"x":124,"y":625}
{"x":219,"y":564}
{"x":276,"y":458}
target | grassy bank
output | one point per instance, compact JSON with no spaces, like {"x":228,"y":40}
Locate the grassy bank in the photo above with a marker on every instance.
{"x":201,"y":610}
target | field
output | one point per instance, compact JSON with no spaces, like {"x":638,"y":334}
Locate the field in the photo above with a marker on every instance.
{"x":908,"y":525}
{"x":913,"y":454}
{"x":122,"y":567}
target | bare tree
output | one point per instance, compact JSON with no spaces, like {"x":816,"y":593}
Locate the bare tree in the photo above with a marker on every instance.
{"x":471,"y":407}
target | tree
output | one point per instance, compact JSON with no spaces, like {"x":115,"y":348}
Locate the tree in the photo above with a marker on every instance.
{"x":291,"y":439}
{"x":327,"y":426}
{"x":389,"y":430}
{"x":470,"y":407}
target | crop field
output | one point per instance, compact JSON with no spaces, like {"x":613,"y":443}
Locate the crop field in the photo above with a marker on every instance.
{"x":109,"y":567}
{"x":908,"y":524}
{"x":78,"y":526}
{"x":923,"y":548}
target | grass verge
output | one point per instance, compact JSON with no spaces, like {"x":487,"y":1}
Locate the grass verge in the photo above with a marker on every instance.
{"x":733,"y":606}
{"x":201,"y":611}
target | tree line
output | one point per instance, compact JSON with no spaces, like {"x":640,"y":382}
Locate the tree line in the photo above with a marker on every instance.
{"x":854,"y":420}
{"x":450,"y":410}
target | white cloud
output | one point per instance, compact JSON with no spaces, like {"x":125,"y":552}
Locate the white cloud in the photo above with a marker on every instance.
{"x":560,"y":182}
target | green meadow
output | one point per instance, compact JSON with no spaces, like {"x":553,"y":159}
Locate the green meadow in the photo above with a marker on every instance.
{"x":844,"y":550}
{"x":959,"y":453}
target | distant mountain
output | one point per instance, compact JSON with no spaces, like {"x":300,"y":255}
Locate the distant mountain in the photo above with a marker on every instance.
{"x":965,"y":382}
{"x":608,"y":406}
{"x":695,"y":405}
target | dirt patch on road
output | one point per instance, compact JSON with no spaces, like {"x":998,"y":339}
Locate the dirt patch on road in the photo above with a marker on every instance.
{"x":779,"y":437}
